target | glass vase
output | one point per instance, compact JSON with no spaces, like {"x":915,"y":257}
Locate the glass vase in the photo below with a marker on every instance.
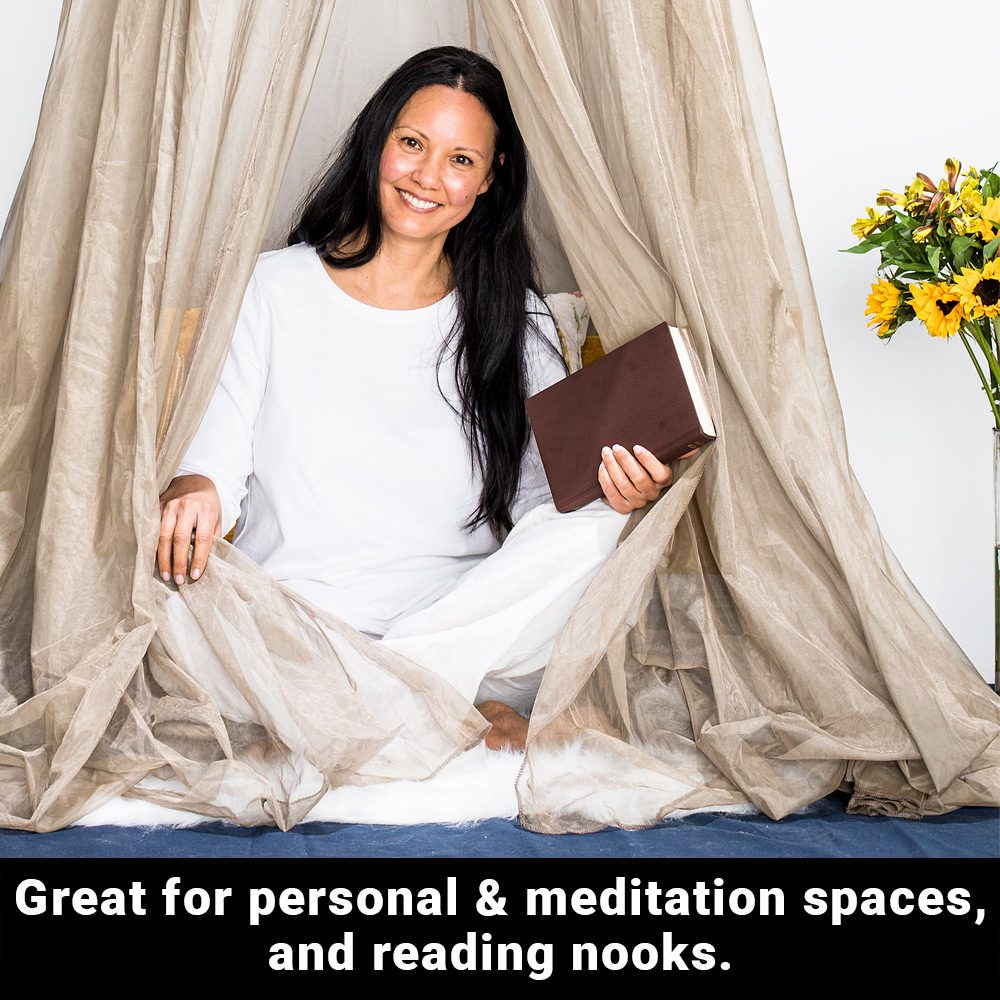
{"x":996,"y":559}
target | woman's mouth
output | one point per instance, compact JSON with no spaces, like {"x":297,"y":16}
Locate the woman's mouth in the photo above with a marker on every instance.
{"x":417,"y":204}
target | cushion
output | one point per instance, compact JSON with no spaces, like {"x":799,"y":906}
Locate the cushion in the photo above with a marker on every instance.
{"x":572,"y":316}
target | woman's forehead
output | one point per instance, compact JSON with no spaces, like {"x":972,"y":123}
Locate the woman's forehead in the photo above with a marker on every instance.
{"x":451,"y":117}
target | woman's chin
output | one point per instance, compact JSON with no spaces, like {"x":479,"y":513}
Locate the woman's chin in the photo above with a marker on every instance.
{"x":413,"y":228}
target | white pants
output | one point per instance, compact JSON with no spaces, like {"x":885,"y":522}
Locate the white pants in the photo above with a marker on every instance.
{"x":491,"y":635}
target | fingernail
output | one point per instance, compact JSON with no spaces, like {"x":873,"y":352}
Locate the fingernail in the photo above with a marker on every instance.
{"x":638,"y":447}
{"x":166,"y":577}
{"x":618,"y":447}
{"x":195,"y":573}
{"x":605,"y":451}
{"x":179,"y":579}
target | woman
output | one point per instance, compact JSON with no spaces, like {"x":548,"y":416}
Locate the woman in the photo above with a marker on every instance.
{"x":368,"y":435}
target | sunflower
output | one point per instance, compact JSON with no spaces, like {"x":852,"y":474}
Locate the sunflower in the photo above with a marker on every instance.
{"x":991,"y":211}
{"x":882,"y":305}
{"x":938,"y":305}
{"x":866,"y":226}
{"x":980,"y":290}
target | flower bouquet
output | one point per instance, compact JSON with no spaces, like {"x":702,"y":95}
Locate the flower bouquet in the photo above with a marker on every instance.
{"x":938,"y":247}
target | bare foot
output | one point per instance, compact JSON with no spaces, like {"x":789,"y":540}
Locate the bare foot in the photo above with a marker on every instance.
{"x":509,"y":728}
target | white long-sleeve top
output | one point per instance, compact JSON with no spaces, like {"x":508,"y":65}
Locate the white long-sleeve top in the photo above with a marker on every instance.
{"x":346,"y":472}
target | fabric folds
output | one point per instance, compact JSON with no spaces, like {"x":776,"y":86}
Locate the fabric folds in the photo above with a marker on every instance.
{"x":777,"y":648}
{"x":751,"y":639}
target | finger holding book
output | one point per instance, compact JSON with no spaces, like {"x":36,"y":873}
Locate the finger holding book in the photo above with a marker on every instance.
{"x":631,"y":480}
{"x":627,"y":484}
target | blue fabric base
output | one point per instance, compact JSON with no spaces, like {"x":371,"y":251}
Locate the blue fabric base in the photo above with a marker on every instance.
{"x":825,"y":830}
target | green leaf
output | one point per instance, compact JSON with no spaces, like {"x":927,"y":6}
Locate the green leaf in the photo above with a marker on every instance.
{"x":919,"y":271}
{"x":990,"y":250}
{"x":862,"y":247}
{"x":962,"y":248}
{"x":914,"y":253}
{"x":882,"y":236}
{"x":991,"y":184}
{"x":893,"y":256}
{"x":934,"y":258}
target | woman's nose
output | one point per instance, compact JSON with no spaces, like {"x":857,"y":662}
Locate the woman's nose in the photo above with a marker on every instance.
{"x":427,"y":173}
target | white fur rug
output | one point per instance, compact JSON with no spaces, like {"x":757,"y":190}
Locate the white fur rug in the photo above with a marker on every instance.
{"x":476,"y":786}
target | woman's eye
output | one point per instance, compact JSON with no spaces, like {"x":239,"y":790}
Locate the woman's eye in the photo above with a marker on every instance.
{"x":407,"y":139}
{"x":464,"y":161}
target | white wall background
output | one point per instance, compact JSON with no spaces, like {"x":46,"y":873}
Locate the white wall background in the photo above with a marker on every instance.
{"x":864,"y":99}
{"x":863,"y":104}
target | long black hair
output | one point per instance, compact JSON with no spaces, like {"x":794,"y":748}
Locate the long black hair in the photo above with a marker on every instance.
{"x":489,"y":252}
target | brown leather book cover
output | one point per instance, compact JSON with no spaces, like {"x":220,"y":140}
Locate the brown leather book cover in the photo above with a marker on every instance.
{"x":646,"y":392}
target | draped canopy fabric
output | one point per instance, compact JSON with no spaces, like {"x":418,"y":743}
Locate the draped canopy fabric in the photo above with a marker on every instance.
{"x":751,"y":639}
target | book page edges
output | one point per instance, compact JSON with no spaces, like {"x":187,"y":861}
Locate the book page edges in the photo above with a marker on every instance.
{"x":699,"y":395}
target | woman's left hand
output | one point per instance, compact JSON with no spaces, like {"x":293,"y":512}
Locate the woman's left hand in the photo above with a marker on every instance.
{"x":632,"y":481}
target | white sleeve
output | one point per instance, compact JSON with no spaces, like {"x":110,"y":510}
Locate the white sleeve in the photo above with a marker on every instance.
{"x":222,"y":448}
{"x":545,"y":365}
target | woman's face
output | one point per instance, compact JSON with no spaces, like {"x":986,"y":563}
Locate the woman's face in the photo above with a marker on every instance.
{"x":435,"y":162}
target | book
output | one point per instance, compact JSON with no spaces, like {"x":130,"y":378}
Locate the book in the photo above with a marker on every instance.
{"x":646,"y":392}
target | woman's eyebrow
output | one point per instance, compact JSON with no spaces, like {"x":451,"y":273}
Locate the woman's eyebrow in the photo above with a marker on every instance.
{"x":426,"y":138}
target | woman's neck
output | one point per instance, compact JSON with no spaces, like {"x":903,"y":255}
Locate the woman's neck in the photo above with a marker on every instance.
{"x":404,"y":274}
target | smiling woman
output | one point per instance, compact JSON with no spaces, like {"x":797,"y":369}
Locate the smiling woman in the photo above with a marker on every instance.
{"x":447,"y":174}
{"x":368,"y":435}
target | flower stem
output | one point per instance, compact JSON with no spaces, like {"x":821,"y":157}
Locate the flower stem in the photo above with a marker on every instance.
{"x":982,"y":375}
{"x":990,"y":336}
{"x":981,"y":339}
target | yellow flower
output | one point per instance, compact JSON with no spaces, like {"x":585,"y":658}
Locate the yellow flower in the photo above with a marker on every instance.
{"x":938,"y":305}
{"x":980,"y":290}
{"x":887,"y":197}
{"x":949,"y":203}
{"x":981,"y":228}
{"x":971,"y":198}
{"x":991,"y":211}
{"x":865,"y":226}
{"x":881,"y":307}
{"x":952,"y":168}
{"x":921,"y":233}
{"x":973,"y":225}
{"x":917,"y":197}
{"x":958,"y":224}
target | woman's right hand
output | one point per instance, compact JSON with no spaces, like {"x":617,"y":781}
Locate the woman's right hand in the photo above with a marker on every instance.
{"x":190,"y":504}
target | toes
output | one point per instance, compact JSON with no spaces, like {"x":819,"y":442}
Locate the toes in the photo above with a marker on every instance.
{"x":494,"y":741}
{"x":508,"y":728}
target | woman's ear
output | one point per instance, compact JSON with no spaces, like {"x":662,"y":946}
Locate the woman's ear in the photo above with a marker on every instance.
{"x":484,"y":187}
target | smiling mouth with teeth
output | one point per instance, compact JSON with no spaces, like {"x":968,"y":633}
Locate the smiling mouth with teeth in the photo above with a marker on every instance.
{"x":416,"y":202}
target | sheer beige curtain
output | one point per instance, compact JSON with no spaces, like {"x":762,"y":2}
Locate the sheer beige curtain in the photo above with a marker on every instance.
{"x":752,"y":638}
{"x":164,"y":131}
